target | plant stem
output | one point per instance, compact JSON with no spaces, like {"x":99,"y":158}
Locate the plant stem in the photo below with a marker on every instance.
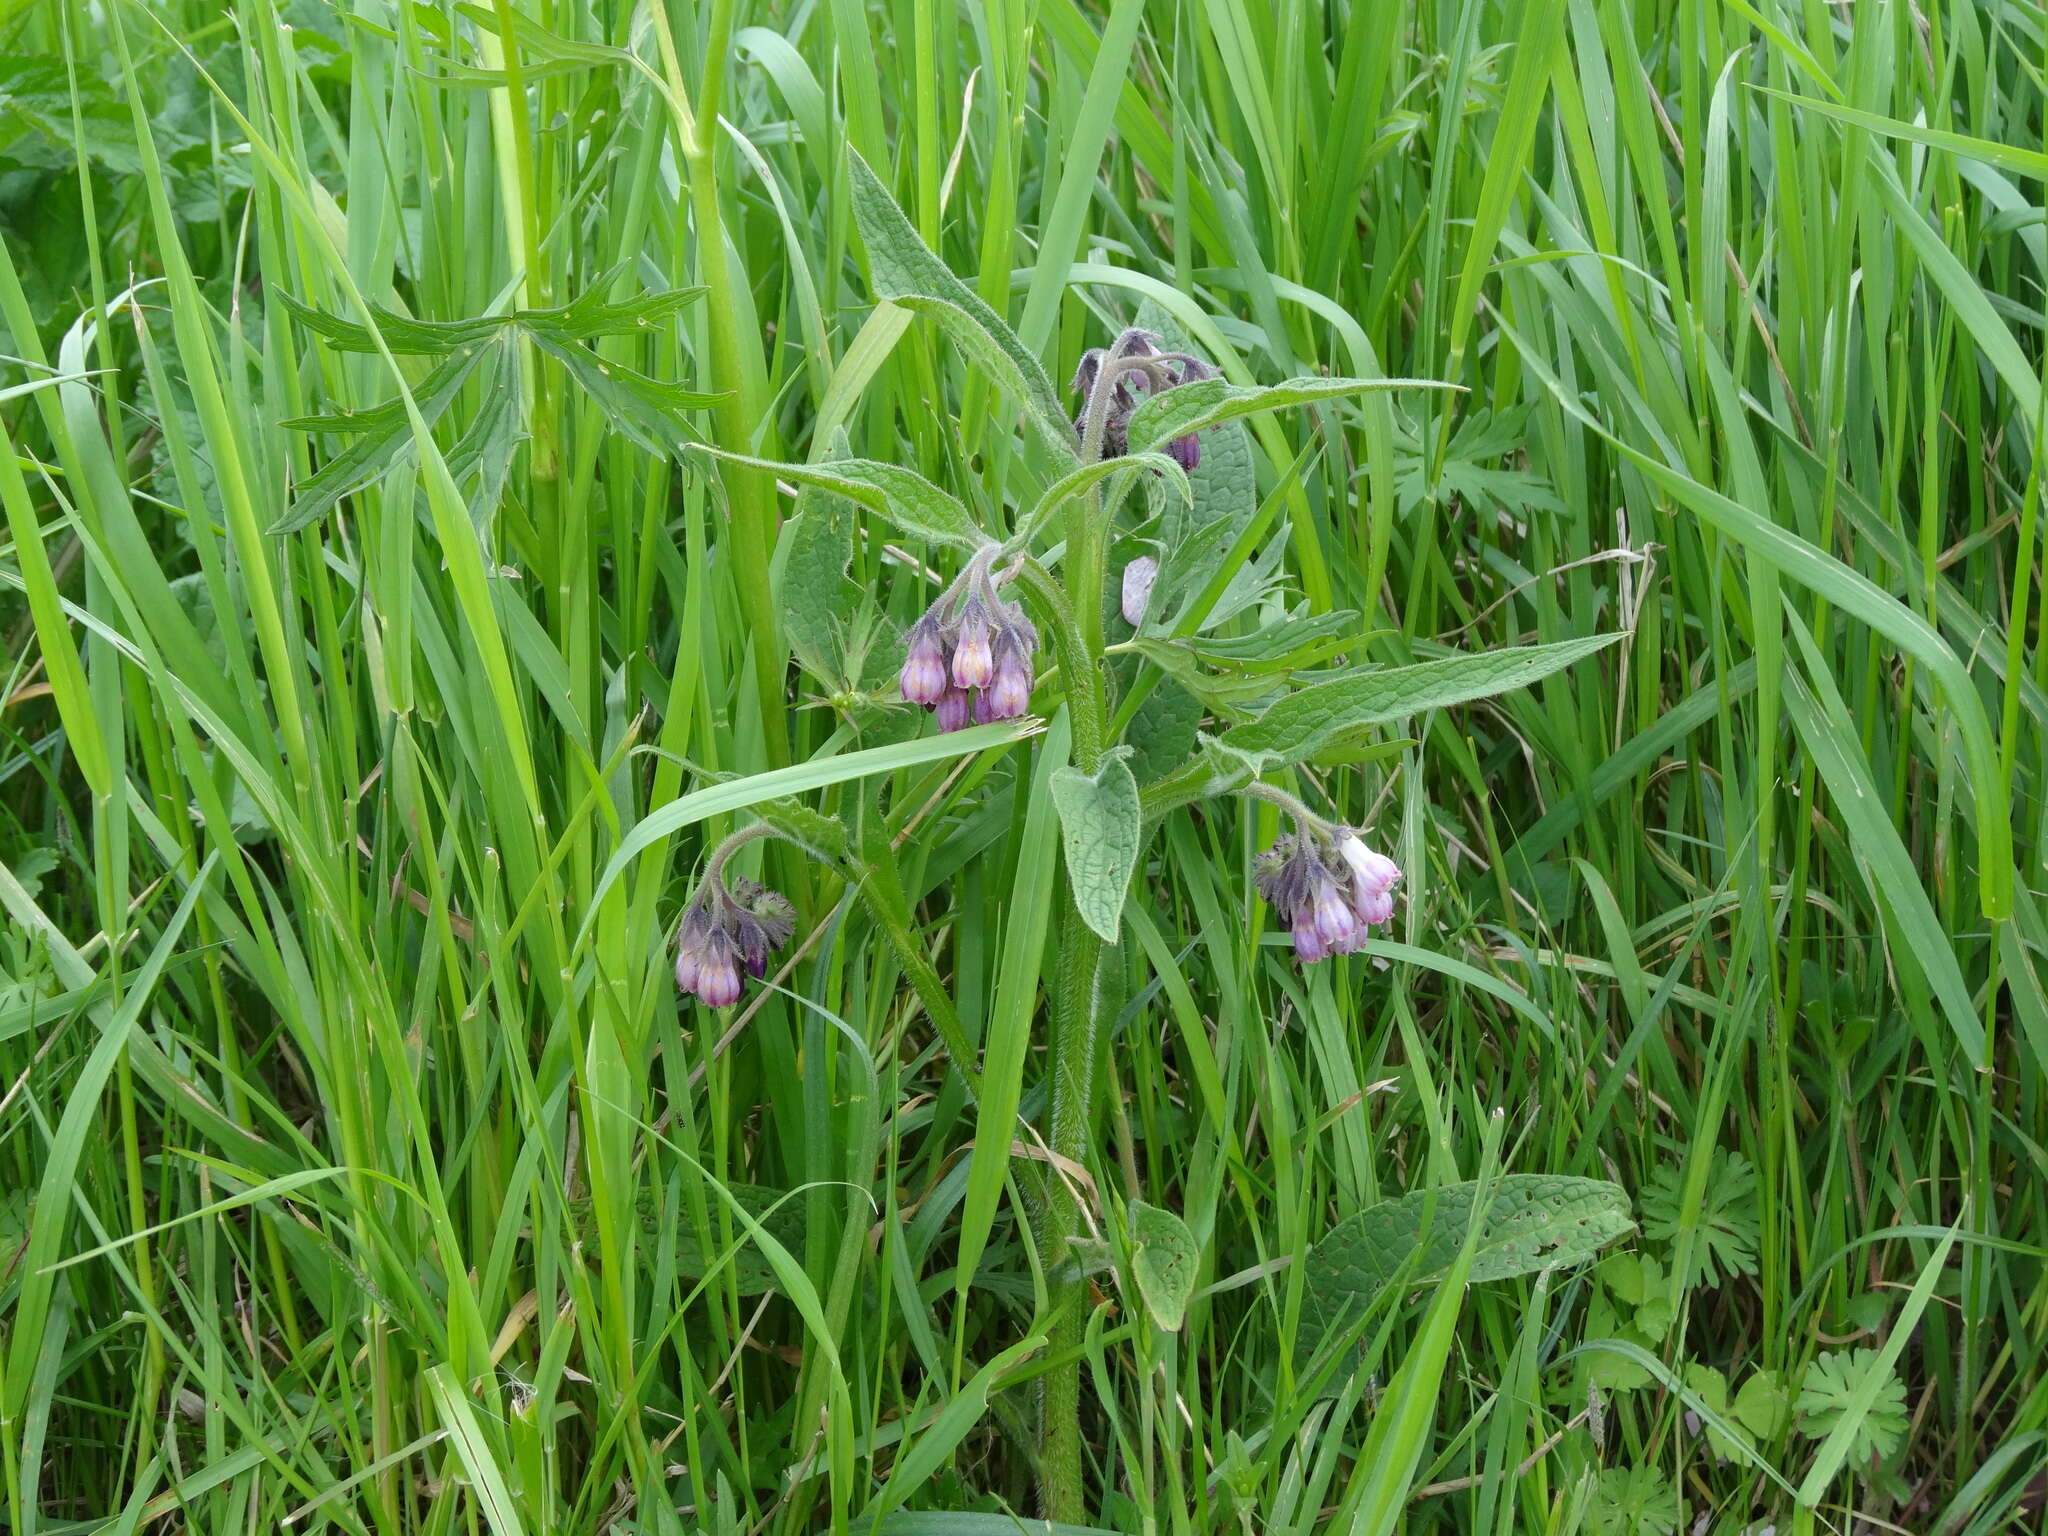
{"x":750,"y":494}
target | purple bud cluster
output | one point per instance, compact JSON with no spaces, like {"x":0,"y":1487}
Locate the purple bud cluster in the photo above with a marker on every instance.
{"x":1331,"y":894}
{"x":727,"y":928}
{"x":1141,"y":369}
{"x":969,"y":659}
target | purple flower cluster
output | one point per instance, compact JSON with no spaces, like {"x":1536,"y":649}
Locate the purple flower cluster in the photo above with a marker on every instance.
{"x":969,"y":657}
{"x":725,"y":928}
{"x":1140,"y":369}
{"x":1331,"y":895}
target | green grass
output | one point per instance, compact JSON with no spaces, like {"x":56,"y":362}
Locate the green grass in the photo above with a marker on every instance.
{"x":361,"y":1166}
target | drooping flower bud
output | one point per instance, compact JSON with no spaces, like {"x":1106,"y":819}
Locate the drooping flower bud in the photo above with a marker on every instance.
{"x":1308,"y":943}
{"x":718,"y":982}
{"x":954,"y":708}
{"x":923,"y":678}
{"x":1374,"y":907}
{"x":1009,"y":695}
{"x":1336,"y":923}
{"x":725,"y":929}
{"x":1185,"y":451}
{"x":1137,"y":595}
{"x":973,"y":661}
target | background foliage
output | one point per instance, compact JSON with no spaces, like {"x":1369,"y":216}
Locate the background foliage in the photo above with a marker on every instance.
{"x":358,"y":1166}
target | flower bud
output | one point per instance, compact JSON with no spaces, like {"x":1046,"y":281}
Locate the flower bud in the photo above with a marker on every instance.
{"x":972,"y":661}
{"x":1373,"y":871}
{"x":1009,"y":695}
{"x":1336,"y":923}
{"x":953,"y":709}
{"x":1373,"y":907}
{"x":1138,"y":578}
{"x":1308,"y":944}
{"x":924,"y":663}
{"x":718,"y":982}
{"x":1185,"y":451}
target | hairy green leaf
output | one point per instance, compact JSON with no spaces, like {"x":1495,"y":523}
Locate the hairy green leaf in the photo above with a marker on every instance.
{"x":1099,"y":828}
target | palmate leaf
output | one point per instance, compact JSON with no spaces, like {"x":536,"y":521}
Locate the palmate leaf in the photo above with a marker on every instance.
{"x":1828,"y":1394}
{"x":1633,"y":1501}
{"x":1725,"y":1236}
{"x":650,"y":413}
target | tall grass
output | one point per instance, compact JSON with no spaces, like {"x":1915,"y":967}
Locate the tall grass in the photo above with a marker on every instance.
{"x":377,"y":690}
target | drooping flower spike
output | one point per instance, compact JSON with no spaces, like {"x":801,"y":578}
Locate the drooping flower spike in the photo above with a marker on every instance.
{"x":969,"y":658}
{"x":729,"y":927}
{"x":1120,"y":374}
{"x":1326,"y":885}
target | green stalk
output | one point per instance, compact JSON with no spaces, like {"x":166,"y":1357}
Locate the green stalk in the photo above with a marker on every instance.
{"x":750,"y":494}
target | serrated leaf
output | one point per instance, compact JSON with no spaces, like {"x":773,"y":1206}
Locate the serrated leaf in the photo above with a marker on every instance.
{"x":905,"y":497}
{"x":1164,"y":1261}
{"x":904,"y":270}
{"x":1301,"y":722}
{"x":1724,"y":1230}
{"x":1633,"y":1501}
{"x":1534,"y":1222}
{"x":1190,"y":407}
{"x":1099,"y":830}
{"x":383,"y":441}
{"x":649,"y":412}
{"x":1839,"y":1384}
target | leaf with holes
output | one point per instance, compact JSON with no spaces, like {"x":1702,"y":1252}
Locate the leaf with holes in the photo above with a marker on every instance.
{"x":1099,"y":826}
{"x":1533,"y":1222}
{"x":1164,"y":1260}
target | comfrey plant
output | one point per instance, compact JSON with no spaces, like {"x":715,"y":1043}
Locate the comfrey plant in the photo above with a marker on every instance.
{"x":729,"y":926}
{"x":1136,"y":461}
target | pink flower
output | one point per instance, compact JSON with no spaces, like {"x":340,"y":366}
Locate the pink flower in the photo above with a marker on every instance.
{"x":923,"y":678}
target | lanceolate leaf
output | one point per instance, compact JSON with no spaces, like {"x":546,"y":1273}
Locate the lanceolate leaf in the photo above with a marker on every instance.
{"x":905,"y":497}
{"x":1099,"y":826}
{"x":1303,"y":721}
{"x":1190,"y":407}
{"x":1535,"y":1222}
{"x":903,"y":269}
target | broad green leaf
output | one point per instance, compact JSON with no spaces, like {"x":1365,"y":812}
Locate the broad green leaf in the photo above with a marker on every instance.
{"x":1190,"y":407}
{"x":1099,"y":827}
{"x":1303,"y":721}
{"x":904,"y":270}
{"x":905,"y":497}
{"x":1535,"y":1222}
{"x":1223,"y":485}
{"x":1164,"y":1260}
{"x":816,"y":597}
{"x":1077,"y":481}
{"x":1162,"y":730}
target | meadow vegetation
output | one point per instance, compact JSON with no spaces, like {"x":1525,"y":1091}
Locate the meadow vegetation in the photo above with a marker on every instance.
{"x":480,"y":477}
